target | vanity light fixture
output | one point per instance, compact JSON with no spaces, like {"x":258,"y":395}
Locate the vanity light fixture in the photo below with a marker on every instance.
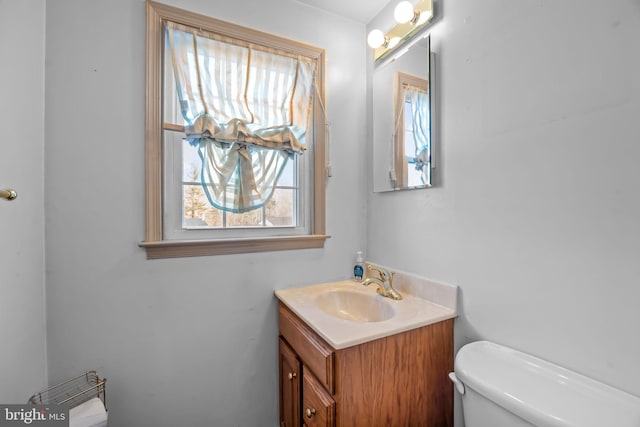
{"x":410,"y":20}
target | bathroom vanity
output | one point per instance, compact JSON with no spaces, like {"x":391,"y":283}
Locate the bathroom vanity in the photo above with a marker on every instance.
{"x":349,"y":357}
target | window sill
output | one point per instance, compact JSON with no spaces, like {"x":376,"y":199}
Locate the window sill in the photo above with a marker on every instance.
{"x":191,"y":248}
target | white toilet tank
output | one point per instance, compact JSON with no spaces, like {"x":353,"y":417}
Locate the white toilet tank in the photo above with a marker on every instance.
{"x":502,"y":387}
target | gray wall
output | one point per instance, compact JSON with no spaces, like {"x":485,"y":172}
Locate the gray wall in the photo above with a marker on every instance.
{"x":188,"y":342}
{"x":536,"y":214}
{"x":22,"y":293}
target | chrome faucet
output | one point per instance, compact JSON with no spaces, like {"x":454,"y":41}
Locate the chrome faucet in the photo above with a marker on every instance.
{"x":384,"y":282}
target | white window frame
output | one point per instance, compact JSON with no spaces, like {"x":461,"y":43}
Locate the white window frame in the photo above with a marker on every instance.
{"x":159,"y":241}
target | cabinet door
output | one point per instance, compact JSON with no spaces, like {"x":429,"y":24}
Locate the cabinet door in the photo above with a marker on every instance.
{"x":318,"y":407}
{"x":289,"y":387}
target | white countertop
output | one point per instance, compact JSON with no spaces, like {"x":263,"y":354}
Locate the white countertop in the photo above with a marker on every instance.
{"x":411,"y":312}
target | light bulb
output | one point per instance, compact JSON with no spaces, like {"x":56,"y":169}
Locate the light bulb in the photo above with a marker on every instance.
{"x":403,"y":12}
{"x":393,"y":42}
{"x":375,"y":39}
{"x":424,"y":17}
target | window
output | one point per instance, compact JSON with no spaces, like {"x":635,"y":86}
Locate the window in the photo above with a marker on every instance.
{"x":190,"y":209}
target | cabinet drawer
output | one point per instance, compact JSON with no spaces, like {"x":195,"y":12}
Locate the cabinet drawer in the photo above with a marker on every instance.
{"x":314,"y":352}
{"x":318,"y":407}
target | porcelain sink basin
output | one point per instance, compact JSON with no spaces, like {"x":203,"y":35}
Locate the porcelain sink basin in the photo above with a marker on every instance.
{"x":345,"y":313}
{"x":355,"y":306}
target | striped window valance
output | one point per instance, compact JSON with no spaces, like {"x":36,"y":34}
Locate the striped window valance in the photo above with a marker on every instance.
{"x":247,"y":108}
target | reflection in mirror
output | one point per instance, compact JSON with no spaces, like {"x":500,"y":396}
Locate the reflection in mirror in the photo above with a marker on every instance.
{"x":412,"y":150}
{"x":402,"y":137}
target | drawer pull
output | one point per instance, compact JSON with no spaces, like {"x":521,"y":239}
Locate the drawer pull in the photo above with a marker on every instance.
{"x":291,"y":375}
{"x":310,"y":412}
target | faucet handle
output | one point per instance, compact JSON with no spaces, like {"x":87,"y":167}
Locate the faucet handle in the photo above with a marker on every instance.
{"x":383,"y":272}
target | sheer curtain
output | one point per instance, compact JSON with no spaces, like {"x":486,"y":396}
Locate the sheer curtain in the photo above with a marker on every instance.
{"x":247,"y":110}
{"x":421,"y":132}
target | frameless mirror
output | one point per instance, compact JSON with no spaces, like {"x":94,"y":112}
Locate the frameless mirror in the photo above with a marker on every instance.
{"x":402,"y":134}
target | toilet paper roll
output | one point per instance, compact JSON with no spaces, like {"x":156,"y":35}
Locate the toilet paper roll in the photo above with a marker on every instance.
{"x":91,"y":413}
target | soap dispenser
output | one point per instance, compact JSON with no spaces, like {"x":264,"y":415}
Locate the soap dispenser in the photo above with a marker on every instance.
{"x":358,"y":268}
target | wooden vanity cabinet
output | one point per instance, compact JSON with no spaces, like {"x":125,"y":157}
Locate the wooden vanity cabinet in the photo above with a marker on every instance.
{"x":400,"y":380}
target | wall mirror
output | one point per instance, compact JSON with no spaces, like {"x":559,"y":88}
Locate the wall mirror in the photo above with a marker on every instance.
{"x":402,"y":120}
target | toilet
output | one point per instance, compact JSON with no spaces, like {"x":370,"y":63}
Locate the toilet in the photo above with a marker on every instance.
{"x":502,"y":387}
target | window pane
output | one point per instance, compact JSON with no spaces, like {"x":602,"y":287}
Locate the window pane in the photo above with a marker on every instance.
{"x":248,"y":219}
{"x":191,"y":163}
{"x":287,"y":178}
{"x":280,"y":210}
{"x":197,"y":212}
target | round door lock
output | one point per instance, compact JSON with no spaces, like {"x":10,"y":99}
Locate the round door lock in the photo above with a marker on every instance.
{"x":292,"y":375}
{"x":310,"y":412}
